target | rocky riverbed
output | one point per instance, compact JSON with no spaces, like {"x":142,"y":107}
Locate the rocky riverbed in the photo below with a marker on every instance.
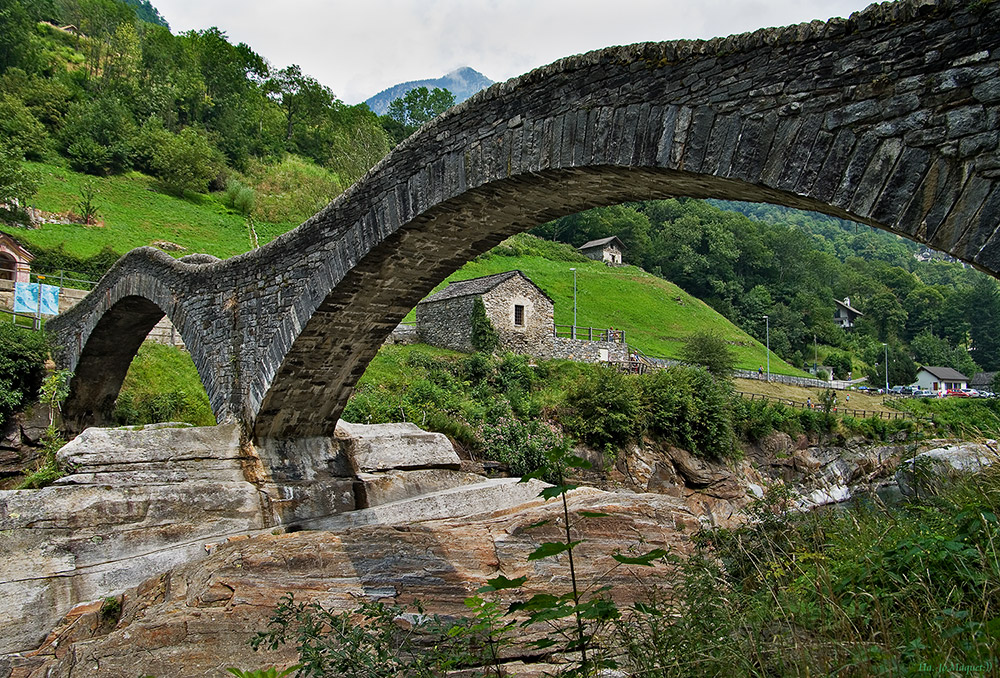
{"x":157,"y":557}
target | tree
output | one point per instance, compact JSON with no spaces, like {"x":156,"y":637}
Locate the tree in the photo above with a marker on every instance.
{"x":302,"y":98}
{"x":711,"y":352}
{"x":16,"y":183}
{"x":886,"y":314}
{"x":15,"y":34}
{"x":983,"y":311}
{"x":410,"y":111}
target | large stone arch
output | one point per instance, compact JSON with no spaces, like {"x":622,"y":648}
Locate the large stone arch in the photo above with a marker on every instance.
{"x":889,"y":118}
{"x":115,"y":321}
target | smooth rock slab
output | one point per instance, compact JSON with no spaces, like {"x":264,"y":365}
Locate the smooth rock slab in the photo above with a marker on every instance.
{"x":382,"y":447}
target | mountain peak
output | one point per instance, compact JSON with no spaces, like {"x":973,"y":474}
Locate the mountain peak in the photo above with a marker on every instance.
{"x":463,"y":82}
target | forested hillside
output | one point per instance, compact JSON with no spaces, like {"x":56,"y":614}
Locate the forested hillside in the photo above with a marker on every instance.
{"x":791,"y":265}
{"x":95,"y":85}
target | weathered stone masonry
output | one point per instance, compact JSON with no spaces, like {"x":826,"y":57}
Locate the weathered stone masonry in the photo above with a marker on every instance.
{"x":890,"y":118}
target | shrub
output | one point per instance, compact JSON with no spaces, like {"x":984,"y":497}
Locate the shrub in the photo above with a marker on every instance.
{"x":19,"y":128}
{"x":691,"y":409}
{"x":22,"y":367}
{"x":711,"y":352}
{"x":605,"y":409}
{"x":188,"y":162}
{"x":239,"y":197}
{"x":98,"y":136}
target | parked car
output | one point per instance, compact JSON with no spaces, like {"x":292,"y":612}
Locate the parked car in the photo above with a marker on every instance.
{"x":954,"y":393}
{"x":924,"y":393}
{"x":971,"y":392}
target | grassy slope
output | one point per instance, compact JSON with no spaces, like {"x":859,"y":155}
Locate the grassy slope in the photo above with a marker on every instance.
{"x":655,"y":314}
{"x":136,"y":214}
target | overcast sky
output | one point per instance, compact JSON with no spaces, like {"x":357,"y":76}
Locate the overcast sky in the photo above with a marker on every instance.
{"x":360,"y":47}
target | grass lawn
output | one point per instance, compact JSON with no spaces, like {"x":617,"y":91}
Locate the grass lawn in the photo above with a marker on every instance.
{"x":656,"y":315}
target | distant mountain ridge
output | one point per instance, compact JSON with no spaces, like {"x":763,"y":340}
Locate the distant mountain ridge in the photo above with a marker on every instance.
{"x":462,"y":82}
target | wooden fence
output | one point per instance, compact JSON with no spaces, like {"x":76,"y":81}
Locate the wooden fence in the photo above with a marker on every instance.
{"x":842,"y":411}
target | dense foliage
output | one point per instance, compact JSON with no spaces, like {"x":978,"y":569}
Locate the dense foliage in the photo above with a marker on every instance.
{"x":118,"y":91}
{"x":791,"y":265}
{"x":22,"y":367}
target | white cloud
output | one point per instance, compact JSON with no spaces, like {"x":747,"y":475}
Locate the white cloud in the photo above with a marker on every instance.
{"x":360,"y":48}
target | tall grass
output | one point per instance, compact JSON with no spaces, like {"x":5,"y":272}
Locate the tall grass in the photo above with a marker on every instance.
{"x":875,"y":590}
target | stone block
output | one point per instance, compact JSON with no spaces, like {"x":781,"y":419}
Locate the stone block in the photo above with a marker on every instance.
{"x":383,"y":447}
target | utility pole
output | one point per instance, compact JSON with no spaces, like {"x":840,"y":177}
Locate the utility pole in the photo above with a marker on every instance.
{"x":886,"y":347}
{"x":573,"y":333}
{"x":767,"y":333}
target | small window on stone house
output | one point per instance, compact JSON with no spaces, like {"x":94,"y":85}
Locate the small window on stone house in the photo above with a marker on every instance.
{"x":518,"y":315}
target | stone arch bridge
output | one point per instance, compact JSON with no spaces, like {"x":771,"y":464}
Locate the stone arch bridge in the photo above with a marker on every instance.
{"x":890,"y":118}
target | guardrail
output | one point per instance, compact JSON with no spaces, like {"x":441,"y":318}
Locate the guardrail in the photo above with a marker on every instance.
{"x":589,"y":333}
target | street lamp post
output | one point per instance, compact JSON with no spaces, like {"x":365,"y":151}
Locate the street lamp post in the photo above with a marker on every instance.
{"x":767,"y":334}
{"x":886,"y":347}
{"x":573,"y":332}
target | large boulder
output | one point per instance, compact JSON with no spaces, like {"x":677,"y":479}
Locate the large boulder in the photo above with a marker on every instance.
{"x":197,"y":619}
{"x":930,"y":471}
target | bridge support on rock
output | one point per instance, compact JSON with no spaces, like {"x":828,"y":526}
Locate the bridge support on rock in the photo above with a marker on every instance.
{"x":890,"y":118}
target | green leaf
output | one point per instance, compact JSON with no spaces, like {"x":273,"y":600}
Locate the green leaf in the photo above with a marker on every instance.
{"x":594,"y":514}
{"x":645,"y":559}
{"x":542,"y":643}
{"x":539,"y":601}
{"x":501,"y":583}
{"x":573,"y":461}
{"x":551,"y":548}
{"x":538,"y":524}
{"x":555,"y":491}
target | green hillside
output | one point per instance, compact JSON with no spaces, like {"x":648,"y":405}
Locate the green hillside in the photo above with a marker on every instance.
{"x":134,"y":214}
{"x":656,"y":315}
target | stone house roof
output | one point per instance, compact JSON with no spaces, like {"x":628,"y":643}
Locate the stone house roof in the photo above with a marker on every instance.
{"x":945,"y":373}
{"x":601,"y":242}
{"x":479,"y":286}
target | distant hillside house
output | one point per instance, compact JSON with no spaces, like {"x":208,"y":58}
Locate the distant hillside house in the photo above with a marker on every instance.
{"x":845,"y":314}
{"x":520,"y":311}
{"x":609,"y":250}
{"x":941,"y":379}
{"x":15,"y":261}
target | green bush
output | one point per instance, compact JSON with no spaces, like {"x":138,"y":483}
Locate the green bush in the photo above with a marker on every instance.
{"x":188,"y":162}
{"x":22,"y":368}
{"x":605,"y":409}
{"x":690,"y":408}
{"x":19,"y":128}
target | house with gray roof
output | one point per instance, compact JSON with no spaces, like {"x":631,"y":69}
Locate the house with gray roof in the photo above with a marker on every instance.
{"x":844,"y":314}
{"x":940,"y":379}
{"x":520,"y":311}
{"x":609,"y":250}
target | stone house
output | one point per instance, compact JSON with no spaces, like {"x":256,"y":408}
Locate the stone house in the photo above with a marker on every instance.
{"x":845,"y":315}
{"x":520,"y":311}
{"x":15,"y":261}
{"x":940,"y":379}
{"x":609,"y":250}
